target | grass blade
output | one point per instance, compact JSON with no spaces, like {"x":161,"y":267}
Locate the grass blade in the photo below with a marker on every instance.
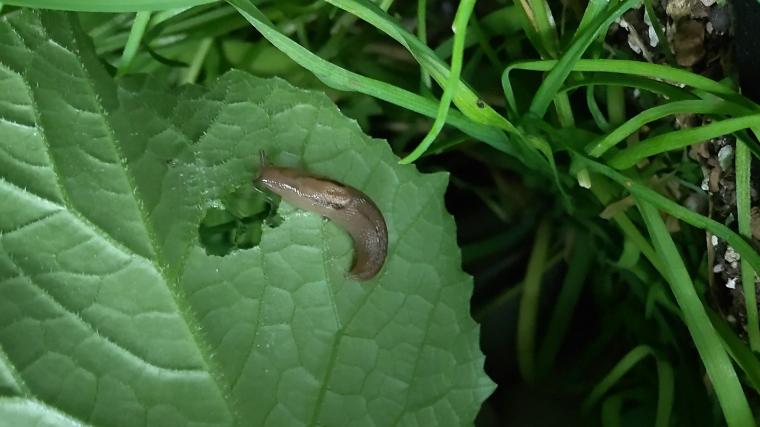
{"x":681,"y":138}
{"x":631,"y":359}
{"x":342,"y":79}
{"x":738,"y":350}
{"x":577,"y":271}
{"x":461,"y":20}
{"x":598,"y":148}
{"x":636,"y":68}
{"x":717,"y":363}
{"x":468,"y":102}
{"x":133,"y":42}
{"x":642,"y":192}
{"x":107,"y":6}
{"x":556,"y":77}
{"x":526,"y":321}
{"x":743,"y":168}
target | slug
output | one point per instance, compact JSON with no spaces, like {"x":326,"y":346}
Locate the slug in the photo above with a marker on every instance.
{"x":348,"y":207}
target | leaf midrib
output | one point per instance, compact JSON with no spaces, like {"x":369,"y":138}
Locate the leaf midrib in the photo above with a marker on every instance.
{"x":183,"y":306}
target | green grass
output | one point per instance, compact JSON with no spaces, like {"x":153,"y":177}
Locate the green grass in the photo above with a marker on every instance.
{"x":521,"y":105}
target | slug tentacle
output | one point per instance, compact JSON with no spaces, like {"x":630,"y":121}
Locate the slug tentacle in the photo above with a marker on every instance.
{"x":346,"y":206}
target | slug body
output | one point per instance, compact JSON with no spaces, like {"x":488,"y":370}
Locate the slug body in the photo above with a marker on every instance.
{"x":346,"y":206}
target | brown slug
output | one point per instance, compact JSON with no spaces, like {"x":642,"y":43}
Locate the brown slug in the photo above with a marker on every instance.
{"x":346,"y":206}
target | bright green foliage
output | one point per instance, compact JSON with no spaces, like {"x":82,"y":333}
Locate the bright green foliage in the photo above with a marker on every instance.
{"x":112,"y":314}
{"x":107,"y":6}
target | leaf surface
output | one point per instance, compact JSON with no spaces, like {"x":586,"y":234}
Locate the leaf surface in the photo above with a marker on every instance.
{"x":112,"y":313}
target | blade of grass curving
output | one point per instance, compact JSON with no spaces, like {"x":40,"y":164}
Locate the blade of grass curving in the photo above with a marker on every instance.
{"x":665,"y":391}
{"x":133,"y":42}
{"x":564,"y":110}
{"x":602,"y":189}
{"x":653,"y":71}
{"x":629,"y":256}
{"x":611,"y":410}
{"x":643,"y":192}
{"x":544,"y":148}
{"x":718,"y":365}
{"x":190,"y":20}
{"x":528,"y":311}
{"x":562,"y":100}
{"x":107,"y":6}
{"x":672,"y":93}
{"x":105,"y":33}
{"x":342,"y":79}
{"x":110,"y":25}
{"x":191,"y":74}
{"x":166,"y":29}
{"x":164,"y":15}
{"x":643,"y":69}
{"x":531,"y":32}
{"x":666,"y":383}
{"x":461,"y":20}
{"x":596,"y":112}
{"x":593,"y":9}
{"x":615,"y":104}
{"x":598,"y":148}
{"x":466,"y":100}
{"x":669,"y":141}
{"x":484,"y":126}
{"x":539,"y":26}
{"x":582,"y":40}
{"x":743,"y":168}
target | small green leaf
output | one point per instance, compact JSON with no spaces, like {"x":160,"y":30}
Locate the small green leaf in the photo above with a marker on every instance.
{"x":113,"y":313}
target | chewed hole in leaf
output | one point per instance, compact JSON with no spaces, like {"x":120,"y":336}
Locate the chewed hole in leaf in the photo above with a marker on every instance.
{"x":235,"y":221}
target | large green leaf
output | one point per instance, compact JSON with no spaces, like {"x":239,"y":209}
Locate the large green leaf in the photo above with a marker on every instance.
{"x":111,"y":312}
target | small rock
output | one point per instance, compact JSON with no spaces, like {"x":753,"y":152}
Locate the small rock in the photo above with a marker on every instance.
{"x":726,"y":157}
{"x":677,"y":9}
{"x":651,"y":33}
{"x":731,"y":255}
{"x":705,"y":184}
{"x":720,"y":19}
{"x":689,"y":42}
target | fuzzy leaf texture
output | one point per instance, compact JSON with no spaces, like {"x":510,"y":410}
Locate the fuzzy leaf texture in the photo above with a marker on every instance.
{"x":111,"y":312}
